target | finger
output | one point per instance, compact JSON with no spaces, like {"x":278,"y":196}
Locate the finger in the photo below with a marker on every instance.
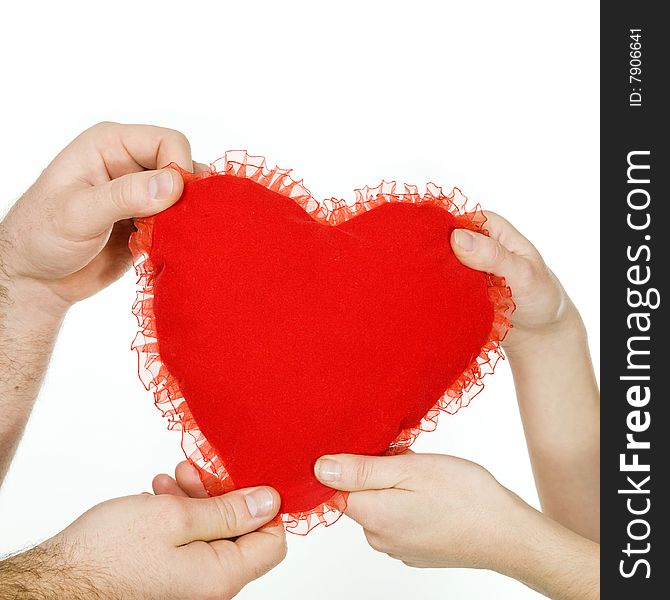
{"x":91,"y":211}
{"x":199,"y":167}
{"x":164,"y":484}
{"x":351,"y":472}
{"x":115,"y":258}
{"x":487,"y":254}
{"x":262,"y":550}
{"x":148,"y":146}
{"x":230,"y":515}
{"x":363,"y":506}
{"x":240,"y":562}
{"x":509,"y":236}
{"x":248,"y":558}
{"x":189,"y":481}
{"x":108,"y":151}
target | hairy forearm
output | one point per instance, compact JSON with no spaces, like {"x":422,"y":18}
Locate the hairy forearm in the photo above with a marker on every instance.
{"x":560,"y":409}
{"x":44,"y":573}
{"x":552,"y":559}
{"x":27,"y":335}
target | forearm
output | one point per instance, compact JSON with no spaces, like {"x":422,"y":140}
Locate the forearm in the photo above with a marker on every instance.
{"x":552,"y":559}
{"x":27,"y":335}
{"x":43,"y":573}
{"x":560,"y":409}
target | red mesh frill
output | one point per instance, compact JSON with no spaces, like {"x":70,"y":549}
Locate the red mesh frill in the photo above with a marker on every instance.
{"x":167,"y":395}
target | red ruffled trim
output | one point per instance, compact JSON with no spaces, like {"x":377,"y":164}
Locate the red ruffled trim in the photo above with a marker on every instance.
{"x":167,"y":395}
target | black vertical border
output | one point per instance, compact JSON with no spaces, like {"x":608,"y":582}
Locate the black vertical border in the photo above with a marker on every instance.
{"x":626,"y":128}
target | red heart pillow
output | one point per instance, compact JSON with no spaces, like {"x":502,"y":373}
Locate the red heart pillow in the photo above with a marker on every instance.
{"x":275,"y":328}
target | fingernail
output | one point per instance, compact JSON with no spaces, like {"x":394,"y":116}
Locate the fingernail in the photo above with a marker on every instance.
{"x":260,"y":502}
{"x":161,"y":186}
{"x":328,"y":470}
{"x":464,"y":239}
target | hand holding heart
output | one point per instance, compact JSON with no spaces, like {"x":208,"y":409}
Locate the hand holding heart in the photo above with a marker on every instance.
{"x":98,"y":182}
{"x":162,"y":547}
{"x":64,"y":240}
{"x":426,"y":510}
{"x":436,"y":511}
{"x":441,"y":511}
{"x":433,"y":511}
{"x":93,"y":188}
{"x":542,"y":305}
{"x":67,"y":237}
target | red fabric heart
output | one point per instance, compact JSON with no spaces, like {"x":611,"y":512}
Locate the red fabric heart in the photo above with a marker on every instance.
{"x":275,"y":328}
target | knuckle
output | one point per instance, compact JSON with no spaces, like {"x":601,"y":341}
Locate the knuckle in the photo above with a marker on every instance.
{"x":99,"y":127}
{"x":175,"y":511}
{"x":405,"y":465}
{"x":104,"y":125}
{"x":497,"y":253}
{"x":375,"y":541}
{"x":270,"y":558}
{"x":495,"y":221}
{"x":122,"y":192}
{"x":371,"y":520}
{"x":529,"y":272}
{"x":411,"y":563}
{"x":281,"y":550}
{"x":225,"y":586}
{"x":491,"y":217}
{"x":363,"y":472}
{"x":178,"y":137}
{"x":228,"y":514}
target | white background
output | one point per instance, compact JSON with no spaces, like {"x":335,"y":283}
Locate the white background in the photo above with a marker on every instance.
{"x":498,"y":98}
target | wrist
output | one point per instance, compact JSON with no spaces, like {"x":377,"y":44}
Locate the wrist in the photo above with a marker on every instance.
{"x":524,"y":343}
{"x":29,"y":303}
{"x":22,"y":295}
{"x":550,"y":558}
{"x":508,"y":550}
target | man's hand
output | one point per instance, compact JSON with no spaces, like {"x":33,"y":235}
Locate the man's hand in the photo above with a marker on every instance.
{"x":67,"y":237}
{"x":161,"y":547}
{"x":63,"y":241}
{"x":441,"y":511}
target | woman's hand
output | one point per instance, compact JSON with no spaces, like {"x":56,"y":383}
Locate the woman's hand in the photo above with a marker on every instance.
{"x":67,"y":237}
{"x":426,"y":510}
{"x":441,"y":511}
{"x":555,"y":384}
{"x":160,"y":547}
{"x":542,"y":306}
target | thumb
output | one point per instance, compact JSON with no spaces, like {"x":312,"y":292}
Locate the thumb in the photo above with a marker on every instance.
{"x":230,"y":515}
{"x":91,"y":211}
{"x":483,"y":253}
{"x":353,"y":473}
